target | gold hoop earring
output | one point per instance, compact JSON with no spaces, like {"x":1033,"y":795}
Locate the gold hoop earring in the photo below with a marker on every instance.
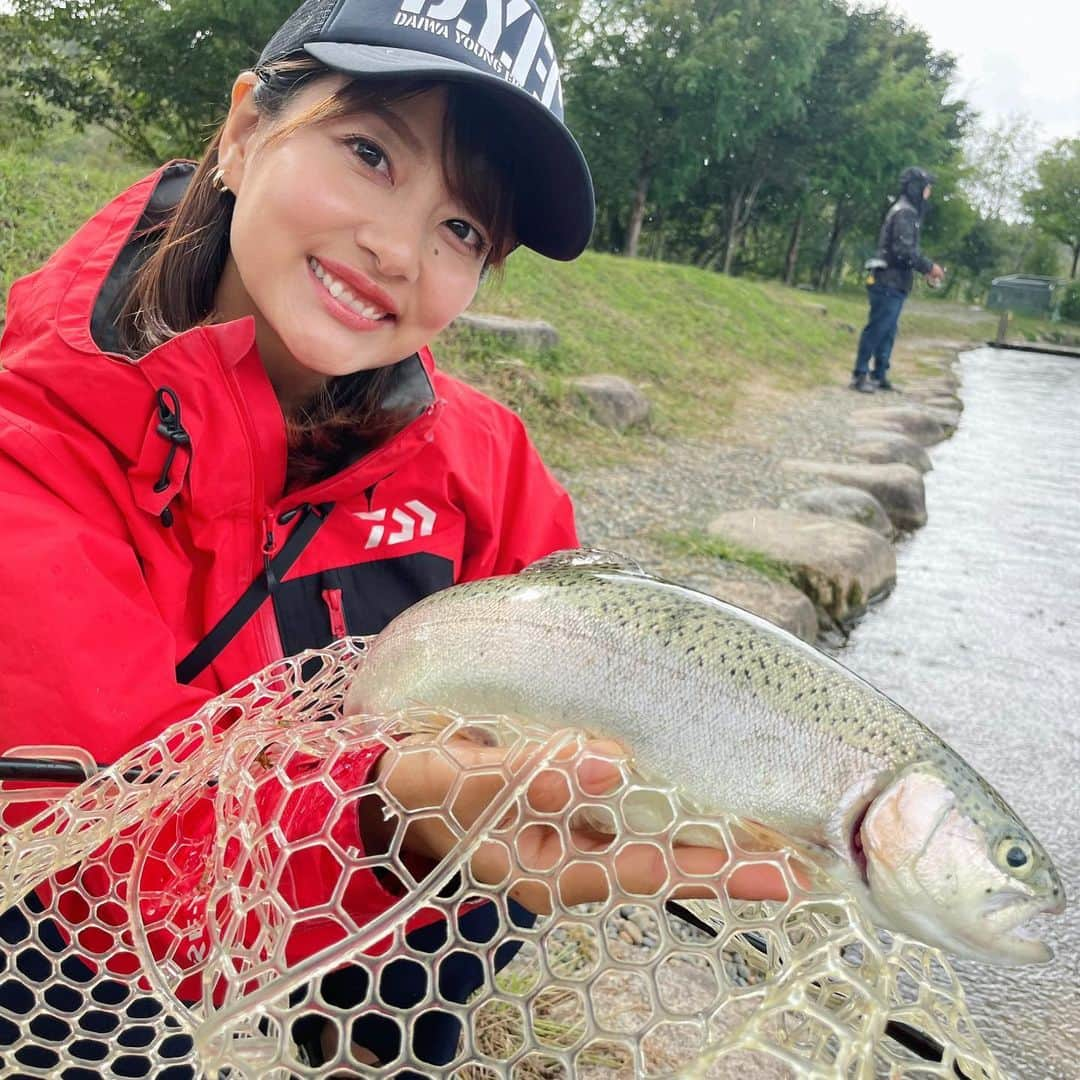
{"x":217,"y":182}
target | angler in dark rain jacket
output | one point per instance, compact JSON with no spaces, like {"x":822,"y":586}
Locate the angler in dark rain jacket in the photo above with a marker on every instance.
{"x":891,"y":277}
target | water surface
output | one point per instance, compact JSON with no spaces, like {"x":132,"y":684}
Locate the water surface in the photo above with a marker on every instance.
{"x":981,"y":640}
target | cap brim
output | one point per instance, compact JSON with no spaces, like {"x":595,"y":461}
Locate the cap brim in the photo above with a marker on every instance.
{"x":555,"y":202}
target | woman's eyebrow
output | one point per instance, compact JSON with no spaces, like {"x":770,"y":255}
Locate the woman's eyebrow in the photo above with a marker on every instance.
{"x":400,"y":126}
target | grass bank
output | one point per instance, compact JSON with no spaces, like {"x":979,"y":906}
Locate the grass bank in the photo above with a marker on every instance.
{"x":47,"y":190}
{"x":699,"y":344}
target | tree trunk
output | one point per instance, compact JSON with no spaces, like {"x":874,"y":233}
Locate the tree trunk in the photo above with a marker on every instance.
{"x":825,"y":270}
{"x":792,"y":260}
{"x":732,"y":232}
{"x":707,"y":260}
{"x":742,"y":206}
{"x":637,"y":207}
{"x":1076,"y":262}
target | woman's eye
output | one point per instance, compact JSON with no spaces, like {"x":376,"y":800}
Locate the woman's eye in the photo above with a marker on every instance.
{"x":467,"y":233}
{"x":371,"y":154}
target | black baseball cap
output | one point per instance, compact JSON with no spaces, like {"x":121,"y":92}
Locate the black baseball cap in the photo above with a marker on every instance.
{"x":502,"y":45}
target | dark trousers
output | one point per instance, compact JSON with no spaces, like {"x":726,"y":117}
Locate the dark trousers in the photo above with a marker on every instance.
{"x":30,"y":1024}
{"x":879,"y":334}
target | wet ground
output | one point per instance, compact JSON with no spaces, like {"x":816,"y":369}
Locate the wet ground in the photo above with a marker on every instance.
{"x":981,"y":640}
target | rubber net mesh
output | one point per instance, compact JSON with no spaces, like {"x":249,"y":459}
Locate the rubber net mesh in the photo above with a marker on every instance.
{"x":139,"y":943}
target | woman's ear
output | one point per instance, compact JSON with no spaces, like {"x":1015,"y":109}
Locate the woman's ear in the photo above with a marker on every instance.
{"x":236,"y":143}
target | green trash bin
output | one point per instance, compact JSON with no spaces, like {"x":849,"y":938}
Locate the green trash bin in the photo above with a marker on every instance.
{"x":1026,"y":294}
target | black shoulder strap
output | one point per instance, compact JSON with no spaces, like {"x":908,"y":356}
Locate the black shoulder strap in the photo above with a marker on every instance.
{"x":229,"y":625}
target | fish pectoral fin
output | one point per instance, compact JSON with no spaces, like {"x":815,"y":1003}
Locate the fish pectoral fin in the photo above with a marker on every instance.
{"x":755,"y":836}
{"x":419,"y":721}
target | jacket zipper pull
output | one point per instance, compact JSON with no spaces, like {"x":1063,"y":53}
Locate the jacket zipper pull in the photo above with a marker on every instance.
{"x":336,"y":610}
{"x":171,"y":429}
{"x":268,"y":553}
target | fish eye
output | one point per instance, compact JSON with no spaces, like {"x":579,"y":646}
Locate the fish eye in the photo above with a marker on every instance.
{"x":1017,"y":856}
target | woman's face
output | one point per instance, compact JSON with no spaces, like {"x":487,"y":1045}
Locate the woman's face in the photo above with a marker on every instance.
{"x":346,"y":245}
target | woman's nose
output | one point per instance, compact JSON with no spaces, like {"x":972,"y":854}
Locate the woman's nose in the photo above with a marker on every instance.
{"x":394,"y":244}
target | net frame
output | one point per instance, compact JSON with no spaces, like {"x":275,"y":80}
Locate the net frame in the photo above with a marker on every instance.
{"x":801,"y":988}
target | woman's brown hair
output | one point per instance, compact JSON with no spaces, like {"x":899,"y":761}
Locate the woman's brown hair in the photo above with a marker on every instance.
{"x":174,"y":289}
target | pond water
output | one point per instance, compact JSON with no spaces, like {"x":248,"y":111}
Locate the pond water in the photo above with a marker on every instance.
{"x":981,"y":640}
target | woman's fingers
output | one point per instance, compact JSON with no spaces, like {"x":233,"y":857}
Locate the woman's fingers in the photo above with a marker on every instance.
{"x":421,"y":778}
{"x":424,"y":778}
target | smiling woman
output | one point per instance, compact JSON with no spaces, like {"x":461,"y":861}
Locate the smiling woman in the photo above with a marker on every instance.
{"x":353,"y":221}
{"x":243,"y":447}
{"x":347,"y":244}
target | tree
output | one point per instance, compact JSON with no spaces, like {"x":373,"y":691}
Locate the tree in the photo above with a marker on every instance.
{"x":1054,"y":205}
{"x":784,"y":47}
{"x":881,"y":107}
{"x":665,"y":94}
{"x":154,"y":74}
{"x":641,"y":96}
{"x":1001,"y":166}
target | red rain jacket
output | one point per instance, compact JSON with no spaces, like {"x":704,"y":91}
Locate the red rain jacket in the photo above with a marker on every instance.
{"x":120,"y":547}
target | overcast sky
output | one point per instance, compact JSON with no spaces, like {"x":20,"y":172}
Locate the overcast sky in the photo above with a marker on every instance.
{"x":1015,"y":56}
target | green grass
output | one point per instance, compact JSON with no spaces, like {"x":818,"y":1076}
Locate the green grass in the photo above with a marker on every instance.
{"x":700,"y":545}
{"x":47,"y":191}
{"x":694,"y":341}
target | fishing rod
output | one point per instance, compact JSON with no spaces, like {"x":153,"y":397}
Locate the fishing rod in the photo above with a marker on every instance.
{"x":56,"y":771}
{"x":911,"y":1038}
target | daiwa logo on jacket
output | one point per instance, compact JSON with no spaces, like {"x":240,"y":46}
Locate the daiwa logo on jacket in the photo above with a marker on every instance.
{"x":412,"y":520}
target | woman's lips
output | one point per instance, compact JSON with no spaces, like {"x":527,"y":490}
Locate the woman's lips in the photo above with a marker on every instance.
{"x":340,"y":298}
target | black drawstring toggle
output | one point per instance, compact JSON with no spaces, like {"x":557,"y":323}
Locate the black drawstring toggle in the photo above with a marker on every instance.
{"x":169,"y":427}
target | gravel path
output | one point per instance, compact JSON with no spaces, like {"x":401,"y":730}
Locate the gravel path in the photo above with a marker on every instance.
{"x":680,"y":486}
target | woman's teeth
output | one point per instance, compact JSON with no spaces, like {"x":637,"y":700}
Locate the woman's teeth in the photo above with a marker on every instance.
{"x":341,"y":292}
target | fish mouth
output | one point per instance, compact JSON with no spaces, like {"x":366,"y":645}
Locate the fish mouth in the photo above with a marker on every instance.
{"x":1014,"y":934}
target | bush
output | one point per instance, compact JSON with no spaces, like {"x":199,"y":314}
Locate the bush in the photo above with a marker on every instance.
{"x":1070,"y":302}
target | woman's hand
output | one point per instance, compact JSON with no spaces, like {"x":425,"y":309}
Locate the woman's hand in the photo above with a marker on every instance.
{"x":422,"y":778}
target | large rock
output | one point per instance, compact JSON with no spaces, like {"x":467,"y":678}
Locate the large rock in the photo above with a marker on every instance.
{"x":886,"y":447}
{"x":948,"y":418}
{"x":899,"y":488}
{"x":846,"y":503}
{"x":918,"y":424}
{"x":840,"y":566}
{"x":780,"y":603}
{"x":521,"y":333}
{"x":613,"y":400}
{"x":949,"y":402}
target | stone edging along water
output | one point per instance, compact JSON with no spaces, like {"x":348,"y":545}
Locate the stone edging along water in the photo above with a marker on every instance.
{"x":833,"y":533}
{"x":836,"y":538}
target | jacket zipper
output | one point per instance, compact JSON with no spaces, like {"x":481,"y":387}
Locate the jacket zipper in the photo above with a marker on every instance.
{"x":335,"y":608}
{"x":267,"y":623}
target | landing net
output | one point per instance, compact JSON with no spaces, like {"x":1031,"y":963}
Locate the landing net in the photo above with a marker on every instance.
{"x":137,"y":945}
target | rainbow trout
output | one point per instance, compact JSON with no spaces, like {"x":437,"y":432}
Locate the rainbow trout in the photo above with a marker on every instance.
{"x":742,"y":717}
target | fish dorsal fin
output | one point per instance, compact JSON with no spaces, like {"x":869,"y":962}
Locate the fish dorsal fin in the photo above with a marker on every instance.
{"x":593,"y":558}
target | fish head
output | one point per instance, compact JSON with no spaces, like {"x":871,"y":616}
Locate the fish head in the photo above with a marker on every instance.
{"x":950,"y":864}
